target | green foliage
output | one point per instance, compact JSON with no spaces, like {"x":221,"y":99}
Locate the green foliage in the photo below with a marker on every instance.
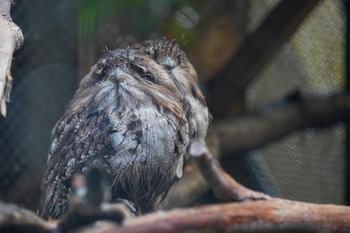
{"x":92,"y":13}
{"x":144,"y":17}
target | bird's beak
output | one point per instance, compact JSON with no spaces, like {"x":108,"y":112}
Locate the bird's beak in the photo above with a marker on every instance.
{"x":118,"y":74}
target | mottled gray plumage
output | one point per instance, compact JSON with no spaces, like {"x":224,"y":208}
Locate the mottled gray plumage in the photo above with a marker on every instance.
{"x":135,"y":114}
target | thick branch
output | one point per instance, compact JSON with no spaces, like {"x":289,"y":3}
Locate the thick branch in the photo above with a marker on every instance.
{"x":255,"y":53}
{"x":258,"y":216}
{"x":11,"y":39}
{"x":293,"y":113}
{"x":264,"y":215}
{"x":14,"y":219}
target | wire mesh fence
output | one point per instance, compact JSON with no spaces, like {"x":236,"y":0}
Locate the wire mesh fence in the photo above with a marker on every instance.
{"x":307,"y":165}
{"x":63,"y":39}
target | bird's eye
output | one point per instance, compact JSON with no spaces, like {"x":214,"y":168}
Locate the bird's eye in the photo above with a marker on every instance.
{"x":148,"y":76}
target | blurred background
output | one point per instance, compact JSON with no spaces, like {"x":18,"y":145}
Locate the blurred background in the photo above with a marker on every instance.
{"x":63,"y":39}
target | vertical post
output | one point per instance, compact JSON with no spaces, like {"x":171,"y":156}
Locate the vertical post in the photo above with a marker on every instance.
{"x":347,"y":89}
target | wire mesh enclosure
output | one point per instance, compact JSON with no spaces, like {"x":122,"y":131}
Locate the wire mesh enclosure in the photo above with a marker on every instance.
{"x":63,"y":39}
{"x":306,"y":165}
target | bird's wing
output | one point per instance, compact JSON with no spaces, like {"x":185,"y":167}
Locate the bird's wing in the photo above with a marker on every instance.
{"x":75,"y":141}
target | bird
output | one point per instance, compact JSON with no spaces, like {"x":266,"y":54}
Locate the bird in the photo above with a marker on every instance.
{"x":135,"y":114}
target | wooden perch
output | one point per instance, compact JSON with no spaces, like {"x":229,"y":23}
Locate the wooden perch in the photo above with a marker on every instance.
{"x":274,"y":215}
{"x":262,"y":213}
{"x":265,"y":215}
{"x":14,"y":219}
{"x":258,"y":216}
{"x":11,"y":39}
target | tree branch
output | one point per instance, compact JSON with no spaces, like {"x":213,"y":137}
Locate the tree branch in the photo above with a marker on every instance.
{"x":11,"y":39}
{"x":274,"y":215}
{"x":264,"y":215}
{"x":223,"y":185}
{"x":293,"y":113}
{"x":14,"y":219}
{"x":255,"y":53}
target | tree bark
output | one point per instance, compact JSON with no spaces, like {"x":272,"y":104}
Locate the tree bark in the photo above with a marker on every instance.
{"x":14,"y":219}
{"x":255,"y":53}
{"x":275,"y":215}
{"x":295,"y":112}
{"x":11,"y":39}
